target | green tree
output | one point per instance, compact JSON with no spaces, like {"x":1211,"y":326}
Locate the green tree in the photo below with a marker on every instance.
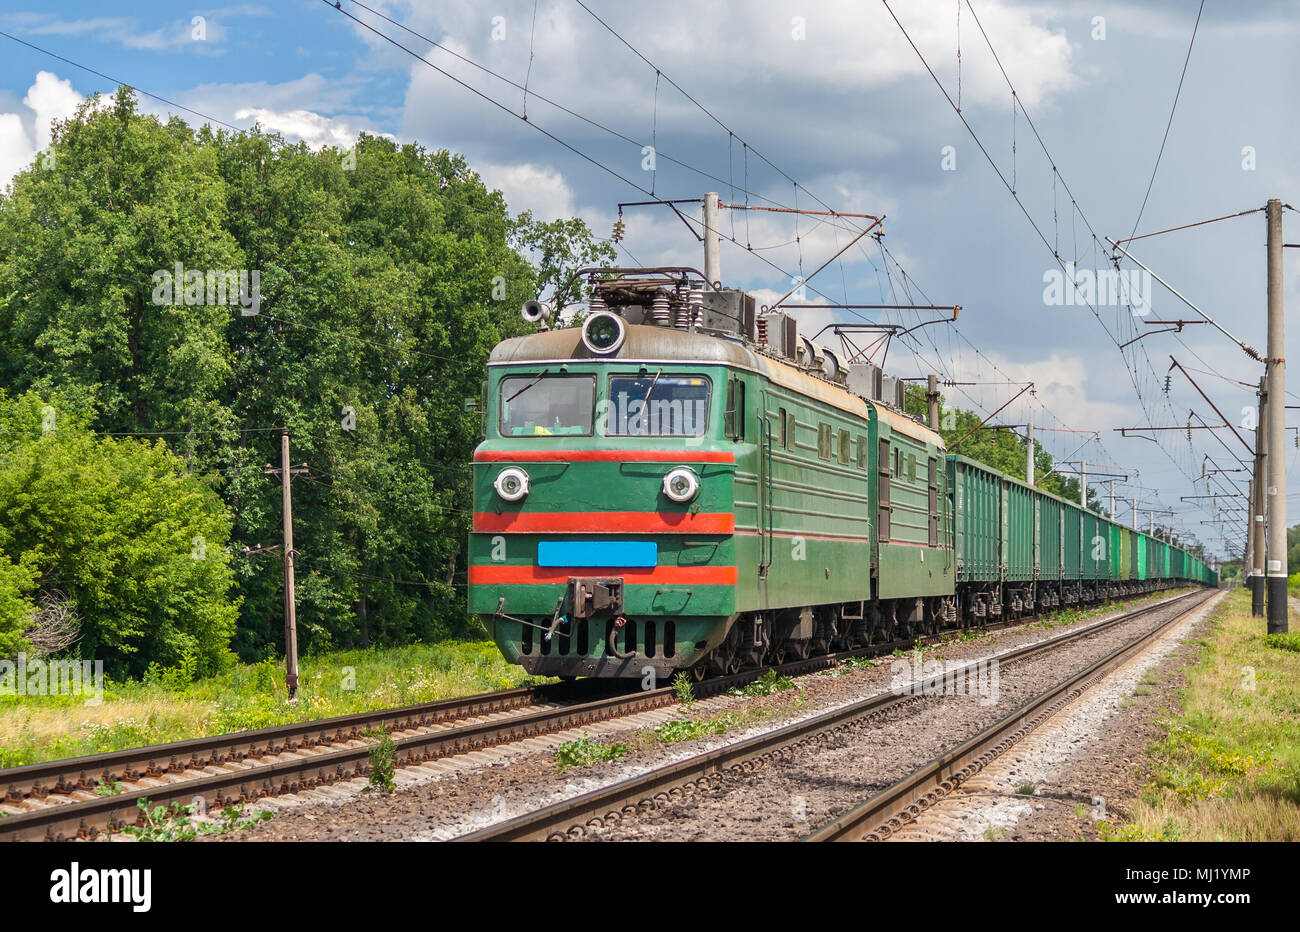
{"x":387,"y":274}
{"x":558,"y":249}
{"x":123,"y":529}
{"x":17,"y":580}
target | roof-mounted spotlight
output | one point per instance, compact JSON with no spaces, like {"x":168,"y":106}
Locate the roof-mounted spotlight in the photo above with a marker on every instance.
{"x":603,"y":334}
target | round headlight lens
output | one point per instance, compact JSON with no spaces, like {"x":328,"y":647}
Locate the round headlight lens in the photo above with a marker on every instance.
{"x":603,"y":333}
{"x":511,"y":484}
{"x":681,"y":485}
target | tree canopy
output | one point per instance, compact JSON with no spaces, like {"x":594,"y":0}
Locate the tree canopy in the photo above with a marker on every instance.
{"x":384,"y":276}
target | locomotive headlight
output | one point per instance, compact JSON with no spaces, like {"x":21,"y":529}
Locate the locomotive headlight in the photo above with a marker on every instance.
{"x":681,"y":485}
{"x":603,"y":333}
{"x":511,"y":484}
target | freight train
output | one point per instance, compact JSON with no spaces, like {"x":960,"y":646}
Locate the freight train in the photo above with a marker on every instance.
{"x":684,"y":483}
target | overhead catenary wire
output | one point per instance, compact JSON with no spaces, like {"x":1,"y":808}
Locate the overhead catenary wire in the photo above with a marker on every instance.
{"x":1011,"y":188}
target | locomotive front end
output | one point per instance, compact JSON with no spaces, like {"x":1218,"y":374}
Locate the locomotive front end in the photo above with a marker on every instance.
{"x":602,"y":540}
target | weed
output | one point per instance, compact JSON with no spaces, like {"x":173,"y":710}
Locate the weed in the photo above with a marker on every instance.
{"x":107,"y":789}
{"x":683,"y":689}
{"x":383,"y":755}
{"x":584,"y":751}
{"x":1289,"y":642}
{"x":1026,"y":789}
{"x":179,"y":823}
{"x":770,"y":682}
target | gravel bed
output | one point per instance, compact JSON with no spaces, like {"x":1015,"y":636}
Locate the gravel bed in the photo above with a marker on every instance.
{"x":1085,"y":765}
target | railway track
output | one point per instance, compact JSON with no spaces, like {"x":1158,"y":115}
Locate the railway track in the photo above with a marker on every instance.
{"x":61,"y":800}
{"x":883,"y":814}
{"x":74,"y":798}
{"x":570,"y":818}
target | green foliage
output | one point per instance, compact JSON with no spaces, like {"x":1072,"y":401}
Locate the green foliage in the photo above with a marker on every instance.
{"x":686,"y":729}
{"x":559,"y":248}
{"x":248,"y":696}
{"x":180,"y":823}
{"x":384,"y":283}
{"x":134,"y":540}
{"x":770,"y":682}
{"x":584,"y":751}
{"x":383,"y":758}
{"x":17,"y":580}
{"x":177,"y":677}
{"x":683,"y":689}
{"x":107,"y":789}
{"x":1289,"y":642}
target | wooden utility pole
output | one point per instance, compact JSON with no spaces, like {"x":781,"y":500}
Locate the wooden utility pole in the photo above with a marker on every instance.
{"x":1255,"y":506}
{"x":286,"y":475}
{"x":1275,"y":368}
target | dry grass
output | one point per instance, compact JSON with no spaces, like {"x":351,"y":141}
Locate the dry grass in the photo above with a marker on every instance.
{"x":1229,"y":766}
{"x":172,"y":708}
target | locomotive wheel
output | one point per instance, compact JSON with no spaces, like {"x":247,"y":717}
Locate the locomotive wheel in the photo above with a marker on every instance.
{"x":700,"y":671}
{"x":778,"y":654}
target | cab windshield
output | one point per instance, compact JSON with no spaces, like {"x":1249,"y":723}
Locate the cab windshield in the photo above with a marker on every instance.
{"x":658,"y":406}
{"x":542,"y":405}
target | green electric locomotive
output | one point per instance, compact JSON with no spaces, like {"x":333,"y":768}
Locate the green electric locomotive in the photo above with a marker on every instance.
{"x":683,"y":484}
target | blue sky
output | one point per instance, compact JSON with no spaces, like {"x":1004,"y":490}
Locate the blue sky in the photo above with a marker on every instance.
{"x":834,"y":96}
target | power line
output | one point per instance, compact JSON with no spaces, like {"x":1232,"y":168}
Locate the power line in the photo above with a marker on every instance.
{"x":69,"y":61}
{"x":1169,"y":124}
{"x":1056,"y":176}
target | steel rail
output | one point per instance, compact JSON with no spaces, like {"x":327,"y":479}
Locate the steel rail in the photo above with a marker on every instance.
{"x":569,"y":818}
{"x":887,"y":811}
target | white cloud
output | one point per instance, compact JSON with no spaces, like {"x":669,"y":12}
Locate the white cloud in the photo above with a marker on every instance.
{"x":48,"y":100}
{"x":312,"y":128}
{"x":179,"y":36}
{"x":51,"y":98}
{"x":531,"y":187}
{"x":16,"y":148}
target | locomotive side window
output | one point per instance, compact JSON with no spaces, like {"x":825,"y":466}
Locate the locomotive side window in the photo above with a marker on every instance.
{"x":844,"y":448}
{"x":733,"y":418}
{"x":783,"y":438}
{"x":658,"y":406}
{"x":791,"y":427}
{"x":546,"y":405}
{"x":824,"y":441}
{"x":862,"y":452}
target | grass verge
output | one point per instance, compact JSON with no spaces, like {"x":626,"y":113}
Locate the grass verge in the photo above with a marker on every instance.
{"x":1228,"y":766}
{"x":172,"y":706}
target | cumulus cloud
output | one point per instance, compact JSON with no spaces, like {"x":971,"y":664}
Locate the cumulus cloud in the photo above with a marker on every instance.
{"x":22,"y":135}
{"x":530,"y":187}
{"x":310,"y":127}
